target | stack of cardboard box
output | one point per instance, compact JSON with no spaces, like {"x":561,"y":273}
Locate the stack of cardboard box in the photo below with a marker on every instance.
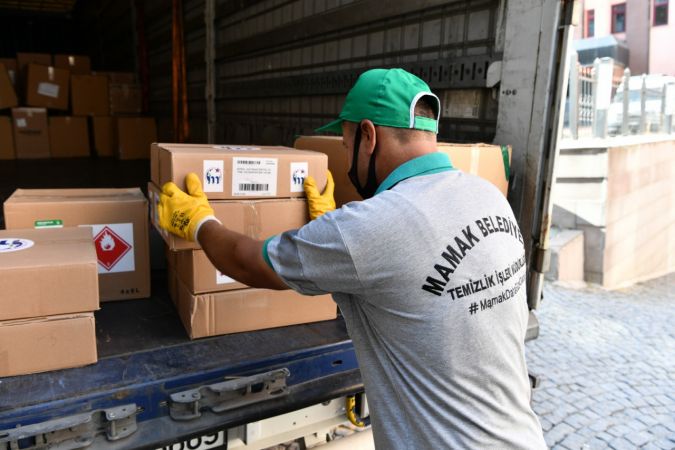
{"x":116,"y":219}
{"x":491,"y":162}
{"x":88,"y":110}
{"x":49,"y":292}
{"x":256,"y":191}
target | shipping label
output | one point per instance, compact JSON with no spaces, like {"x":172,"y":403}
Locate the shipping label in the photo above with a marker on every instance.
{"x":52,"y":223}
{"x":213,"y":176}
{"x":299,"y":171}
{"x":48,"y":89}
{"x":114,"y":244}
{"x":254,"y":177}
{"x":154,"y":211}
{"x":8,"y":245}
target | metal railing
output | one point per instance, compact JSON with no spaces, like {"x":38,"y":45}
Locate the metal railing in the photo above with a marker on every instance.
{"x":599,"y":104}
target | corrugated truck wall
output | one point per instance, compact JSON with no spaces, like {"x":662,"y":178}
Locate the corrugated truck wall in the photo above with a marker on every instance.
{"x":283,"y":67}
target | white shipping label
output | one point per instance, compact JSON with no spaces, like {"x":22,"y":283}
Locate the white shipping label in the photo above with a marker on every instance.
{"x":213,"y":176}
{"x":154,"y":210}
{"x":48,"y":89}
{"x":223,"y":279}
{"x":254,"y":177}
{"x":21,"y":123}
{"x":299,"y":171}
{"x":114,"y":244}
{"x":11,"y":244}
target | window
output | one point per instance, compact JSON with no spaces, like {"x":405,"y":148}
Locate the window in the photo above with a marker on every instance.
{"x":619,"y":18}
{"x":590,"y":23}
{"x":660,"y":12}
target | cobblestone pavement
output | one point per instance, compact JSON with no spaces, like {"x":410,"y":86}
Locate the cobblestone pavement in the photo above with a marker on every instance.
{"x":606,"y":363}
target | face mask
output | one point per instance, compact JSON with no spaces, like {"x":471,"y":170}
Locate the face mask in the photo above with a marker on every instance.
{"x":369,"y":189}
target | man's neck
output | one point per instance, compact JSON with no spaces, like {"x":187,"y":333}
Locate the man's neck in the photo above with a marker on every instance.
{"x":401,"y":154}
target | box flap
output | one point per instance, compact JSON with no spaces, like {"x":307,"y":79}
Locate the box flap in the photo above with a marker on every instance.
{"x":46,"y":247}
{"x":230,"y":150}
{"x":75,"y":195}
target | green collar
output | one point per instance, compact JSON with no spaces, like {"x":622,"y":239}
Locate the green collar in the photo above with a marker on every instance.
{"x":422,"y":165}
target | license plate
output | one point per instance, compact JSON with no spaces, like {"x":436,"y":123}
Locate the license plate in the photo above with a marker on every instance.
{"x":205,"y":442}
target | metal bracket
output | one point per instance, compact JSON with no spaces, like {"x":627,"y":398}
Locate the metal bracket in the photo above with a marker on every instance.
{"x":72,"y":432}
{"x":541,"y":260}
{"x":231,"y":394}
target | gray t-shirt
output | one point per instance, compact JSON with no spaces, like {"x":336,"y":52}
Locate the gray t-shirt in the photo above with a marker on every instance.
{"x":430,"y":278}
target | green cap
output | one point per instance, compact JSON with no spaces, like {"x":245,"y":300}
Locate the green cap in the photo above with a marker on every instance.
{"x":387,"y":97}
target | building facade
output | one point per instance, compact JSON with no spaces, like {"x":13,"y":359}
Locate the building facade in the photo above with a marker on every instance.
{"x":646,"y":26}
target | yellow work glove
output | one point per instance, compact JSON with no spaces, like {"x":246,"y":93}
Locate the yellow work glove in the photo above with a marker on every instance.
{"x":319,"y":204}
{"x":183,"y":213}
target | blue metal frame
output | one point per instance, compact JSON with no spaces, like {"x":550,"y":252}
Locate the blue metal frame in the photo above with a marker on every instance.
{"x":148,"y":378}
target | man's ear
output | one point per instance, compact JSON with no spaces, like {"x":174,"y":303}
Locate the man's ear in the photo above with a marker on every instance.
{"x":368,"y":136}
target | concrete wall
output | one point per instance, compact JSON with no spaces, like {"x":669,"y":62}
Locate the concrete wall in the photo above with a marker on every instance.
{"x":622,"y":196}
{"x":640,"y":226}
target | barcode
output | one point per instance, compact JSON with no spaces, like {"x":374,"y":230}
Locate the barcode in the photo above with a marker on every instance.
{"x":253,"y":187}
{"x":246,"y":161}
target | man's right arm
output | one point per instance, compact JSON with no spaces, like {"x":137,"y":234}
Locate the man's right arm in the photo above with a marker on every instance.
{"x":238,"y":256}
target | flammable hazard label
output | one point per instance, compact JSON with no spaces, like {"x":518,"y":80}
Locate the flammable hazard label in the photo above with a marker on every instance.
{"x":114,"y":247}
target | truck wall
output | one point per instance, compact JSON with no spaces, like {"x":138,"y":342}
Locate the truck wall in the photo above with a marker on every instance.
{"x":283,"y":67}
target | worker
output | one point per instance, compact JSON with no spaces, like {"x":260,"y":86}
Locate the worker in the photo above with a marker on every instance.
{"x":428,"y":272}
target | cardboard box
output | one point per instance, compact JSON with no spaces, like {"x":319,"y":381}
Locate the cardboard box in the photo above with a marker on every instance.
{"x":119,"y":77}
{"x":338,"y":164}
{"x":89,"y":95}
{"x":258,"y":219}
{"x":46,"y":272}
{"x":172,"y":284}
{"x":76,"y":64}
{"x":135,"y":135}
{"x":119,"y":218}
{"x":104,"y":135}
{"x":31,"y":133}
{"x":23,"y":59}
{"x":11,"y":67}
{"x":125,"y":99}
{"x":248,"y":310}
{"x":68,"y":137}
{"x":47,"y":343}
{"x":47,"y":86}
{"x":6,"y":139}
{"x":7,"y":94}
{"x":483,"y":160}
{"x":239,"y":172}
{"x":488,"y":161}
{"x":194,"y":269}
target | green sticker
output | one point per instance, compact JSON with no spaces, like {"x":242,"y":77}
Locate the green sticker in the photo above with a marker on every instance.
{"x":507,"y":165}
{"x":54,"y":223}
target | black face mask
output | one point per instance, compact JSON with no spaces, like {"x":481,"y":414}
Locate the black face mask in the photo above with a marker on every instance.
{"x":369,"y":189}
